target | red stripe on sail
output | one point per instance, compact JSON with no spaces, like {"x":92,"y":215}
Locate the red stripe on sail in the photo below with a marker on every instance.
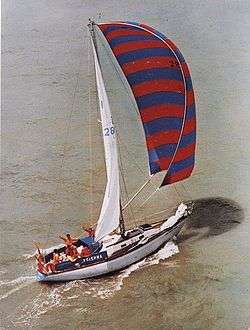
{"x":161,"y":138}
{"x":181,"y":154}
{"x":185,"y":69}
{"x":104,"y":26}
{"x":167,"y":137}
{"x":161,"y":85}
{"x":171,"y":44}
{"x":149,"y":63}
{"x":164,"y":163}
{"x":162,"y":111}
{"x":118,"y":33}
{"x":178,"y":176}
{"x":189,"y":126}
{"x":184,"y":153}
{"x":190,"y":98}
{"x":135,"y":45}
{"x":147,"y":27}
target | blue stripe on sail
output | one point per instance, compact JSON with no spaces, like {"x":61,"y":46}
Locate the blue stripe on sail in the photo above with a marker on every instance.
{"x":118,"y":27}
{"x":153,"y":157}
{"x":179,"y":55}
{"x":190,"y":112}
{"x":143,"y":53}
{"x":154,"y":167}
{"x":149,"y":100}
{"x":181,"y":165}
{"x":189,"y":85}
{"x":122,"y":39}
{"x":187,"y":139}
{"x":154,"y":74}
{"x":167,"y":150}
{"x":161,"y":35}
{"x":162,"y":125}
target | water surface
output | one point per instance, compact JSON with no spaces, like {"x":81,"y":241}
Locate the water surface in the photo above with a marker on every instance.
{"x":53,"y":174}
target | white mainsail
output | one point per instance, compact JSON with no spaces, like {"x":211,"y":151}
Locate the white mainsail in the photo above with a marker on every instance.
{"x":110,"y":212}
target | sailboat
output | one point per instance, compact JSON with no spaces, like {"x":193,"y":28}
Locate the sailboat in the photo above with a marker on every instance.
{"x":159,"y":80}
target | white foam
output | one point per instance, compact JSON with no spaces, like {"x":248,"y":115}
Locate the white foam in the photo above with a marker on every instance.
{"x":73,"y":297}
{"x":19,"y":284}
{"x":107,"y":289}
{"x":39,"y":306}
{"x":28,"y":256}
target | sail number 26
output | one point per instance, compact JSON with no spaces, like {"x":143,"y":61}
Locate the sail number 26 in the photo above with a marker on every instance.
{"x":109,"y":131}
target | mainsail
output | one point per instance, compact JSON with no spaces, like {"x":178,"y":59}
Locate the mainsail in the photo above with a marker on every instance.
{"x":110,"y":211}
{"x":161,"y":84}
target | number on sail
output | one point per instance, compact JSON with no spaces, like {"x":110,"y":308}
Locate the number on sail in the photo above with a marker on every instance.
{"x":109,"y":131}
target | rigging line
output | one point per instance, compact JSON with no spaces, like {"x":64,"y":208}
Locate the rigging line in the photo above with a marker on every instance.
{"x":152,"y":215}
{"x":132,"y":155}
{"x":137,"y":193}
{"x":178,"y":194}
{"x":186,"y":191}
{"x":122,"y":175}
{"x":90,"y":137}
{"x":148,"y":198}
{"x":67,"y":129}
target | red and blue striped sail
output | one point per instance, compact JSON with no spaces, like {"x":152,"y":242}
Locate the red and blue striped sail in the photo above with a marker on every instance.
{"x":160,"y":81}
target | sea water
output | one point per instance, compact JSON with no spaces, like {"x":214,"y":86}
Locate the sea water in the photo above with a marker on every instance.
{"x":53,"y":173}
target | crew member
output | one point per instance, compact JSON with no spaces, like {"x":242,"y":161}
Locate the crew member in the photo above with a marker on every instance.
{"x":85,"y":252}
{"x":71,"y":253}
{"x":89,"y":230}
{"x":51,"y":266}
{"x":39,"y":258}
{"x":69,"y":240}
{"x":40,"y":262}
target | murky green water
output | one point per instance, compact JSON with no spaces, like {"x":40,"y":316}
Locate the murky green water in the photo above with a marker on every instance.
{"x":49,"y":122}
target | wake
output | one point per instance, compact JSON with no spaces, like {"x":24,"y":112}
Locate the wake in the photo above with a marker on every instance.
{"x":68,"y":294}
{"x":18,"y":284}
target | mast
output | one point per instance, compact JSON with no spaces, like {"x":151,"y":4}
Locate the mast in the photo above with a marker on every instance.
{"x":110,"y":216}
{"x":122,"y":223}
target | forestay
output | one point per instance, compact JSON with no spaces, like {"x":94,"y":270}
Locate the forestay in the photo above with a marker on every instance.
{"x":161,"y":84}
{"x":110,"y":211}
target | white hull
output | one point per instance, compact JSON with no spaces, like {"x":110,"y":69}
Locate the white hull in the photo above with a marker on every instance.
{"x":116,"y":263}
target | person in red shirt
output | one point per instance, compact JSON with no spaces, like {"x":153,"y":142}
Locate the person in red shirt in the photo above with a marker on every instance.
{"x":85,"y":252}
{"x":89,"y":230}
{"x":40,"y":262}
{"x":39,"y":258}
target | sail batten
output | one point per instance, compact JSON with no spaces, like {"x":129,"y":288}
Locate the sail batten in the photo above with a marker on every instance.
{"x":160,"y":82}
{"x":110,"y":211}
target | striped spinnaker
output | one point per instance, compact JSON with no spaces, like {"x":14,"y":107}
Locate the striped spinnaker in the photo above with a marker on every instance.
{"x":161,"y":84}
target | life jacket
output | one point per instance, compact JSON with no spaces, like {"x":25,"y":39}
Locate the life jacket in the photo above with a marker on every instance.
{"x":85,"y":252}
